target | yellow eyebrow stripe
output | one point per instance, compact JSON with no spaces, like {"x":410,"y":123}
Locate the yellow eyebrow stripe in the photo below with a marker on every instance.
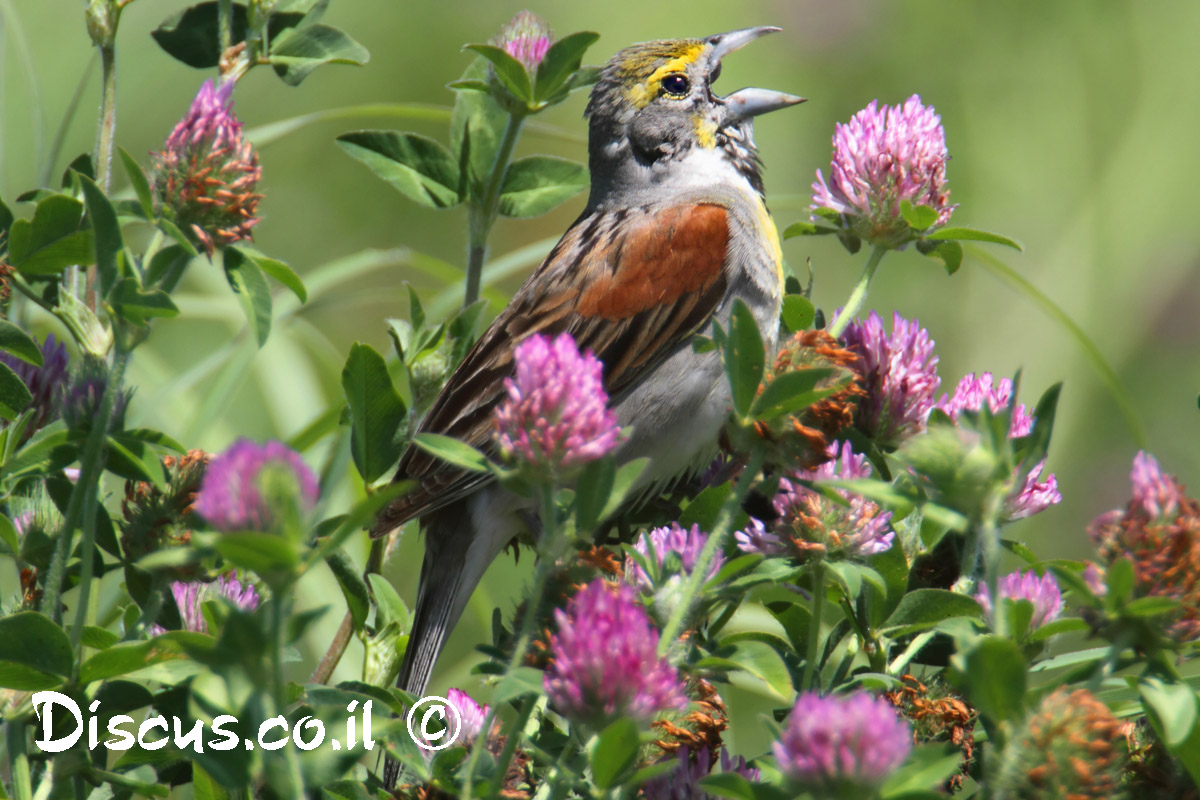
{"x":642,"y":92}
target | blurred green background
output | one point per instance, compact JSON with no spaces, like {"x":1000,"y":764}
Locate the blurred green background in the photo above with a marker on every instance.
{"x":1068,"y":124}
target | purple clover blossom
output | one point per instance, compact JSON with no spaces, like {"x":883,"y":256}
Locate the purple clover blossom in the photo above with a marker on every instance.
{"x":190,"y":597}
{"x":810,"y":524}
{"x":1042,"y":592}
{"x":472,"y":714}
{"x":970,"y":395}
{"x":758,"y":539}
{"x":604,"y":660}
{"x":851,"y":740}
{"x":685,"y":543}
{"x":1094,"y":577}
{"x":683,"y":783}
{"x":899,"y":376}
{"x":881,"y":158}
{"x":526,"y":38}
{"x":1157,"y":494}
{"x":243,"y":487}
{"x":206,"y":173}
{"x":973,"y":391}
{"x":45,"y":383}
{"x":555,"y":416}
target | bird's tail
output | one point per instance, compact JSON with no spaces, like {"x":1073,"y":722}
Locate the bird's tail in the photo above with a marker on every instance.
{"x":445,"y":586}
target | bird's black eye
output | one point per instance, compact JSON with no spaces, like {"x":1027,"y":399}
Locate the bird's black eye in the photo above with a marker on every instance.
{"x":676,"y":85}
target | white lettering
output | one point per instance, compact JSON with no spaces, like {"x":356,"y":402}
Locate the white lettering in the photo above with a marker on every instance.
{"x":274,"y":722}
{"x":231,"y":738}
{"x":153,"y":722}
{"x":47,"y":700}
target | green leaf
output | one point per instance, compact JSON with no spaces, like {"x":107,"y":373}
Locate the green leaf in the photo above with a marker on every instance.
{"x":376,"y":412}
{"x":974,"y":235}
{"x":420,"y":168}
{"x":727,"y":784}
{"x":19,"y":343}
{"x":8,"y":536}
{"x":762,"y":661}
{"x":476,"y":127}
{"x":623,"y":484}
{"x":52,"y":240}
{"x":510,"y":71}
{"x":537,"y":184}
{"x":793,"y":391}
{"x":135,"y":460}
{"x":389,"y":607}
{"x":278,"y":270}
{"x":131,"y":303}
{"x":126,"y":658}
{"x":98,"y":638}
{"x":1150,"y":606}
{"x":1120,"y":580}
{"x":950,"y":253}
{"x":296,"y":52}
{"x":14,"y":394}
{"x":744,"y":357}
{"x":139,"y":182}
{"x":993,"y":673}
{"x":264,"y":553}
{"x":251,"y":290}
{"x":452,"y":451}
{"x":592,"y":490}
{"x":191,"y":34}
{"x":798,"y":312}
{"x":923,"y":608}
{"x":33,"y":651}
{"x":171,"y":229}
{"x":614,"y":753}
{"x":1175,"y":706}
{"x":919,"y":217}
{"x":928,"y":766}
{"x":358,"y":599}
{"x":806,"y":228}
{"x":560,"y":62}
{"x":106,"y":233}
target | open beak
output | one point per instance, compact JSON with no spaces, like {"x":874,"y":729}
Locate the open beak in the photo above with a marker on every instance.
{"x":746,"y":103}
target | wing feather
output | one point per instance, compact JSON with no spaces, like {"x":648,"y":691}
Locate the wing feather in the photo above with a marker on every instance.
{"x":630,"y":285}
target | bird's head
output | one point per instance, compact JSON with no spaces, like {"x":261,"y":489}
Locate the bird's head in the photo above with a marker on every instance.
{"x":654,"y":105}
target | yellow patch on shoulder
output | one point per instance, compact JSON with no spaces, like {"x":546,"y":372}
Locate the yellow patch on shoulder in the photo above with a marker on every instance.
{"x":645,"y":89}
{"x":771,"y":234}
{"x":706,"y":131}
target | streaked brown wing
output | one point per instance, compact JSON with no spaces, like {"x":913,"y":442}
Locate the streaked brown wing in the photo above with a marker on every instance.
{"x":629,"y":285}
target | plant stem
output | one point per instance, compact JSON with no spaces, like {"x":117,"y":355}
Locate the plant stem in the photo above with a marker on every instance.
{"x":483,"y":213}
{"x":225,"y":23}
{"x":510,"y":745}
{"x":721,"y":531}
{"x":105,"y":136}
{"x":811,"y":674}
{"x":341,"y":639}
{"x":549,"y":548}
{"x":90,"y":470}
{"x":18,"y":760}
{"x":855,"y":301}
{"x":558,"y":786}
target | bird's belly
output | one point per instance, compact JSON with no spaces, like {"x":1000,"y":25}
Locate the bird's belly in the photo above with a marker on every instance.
{"x":679,"y":412}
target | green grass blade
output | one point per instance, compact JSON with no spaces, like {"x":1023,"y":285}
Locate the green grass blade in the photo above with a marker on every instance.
{"x":272,"y":132}
{"x":1099,"y":363}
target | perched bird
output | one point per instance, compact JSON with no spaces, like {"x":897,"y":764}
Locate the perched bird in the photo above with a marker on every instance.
{"x":674,"y":231}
